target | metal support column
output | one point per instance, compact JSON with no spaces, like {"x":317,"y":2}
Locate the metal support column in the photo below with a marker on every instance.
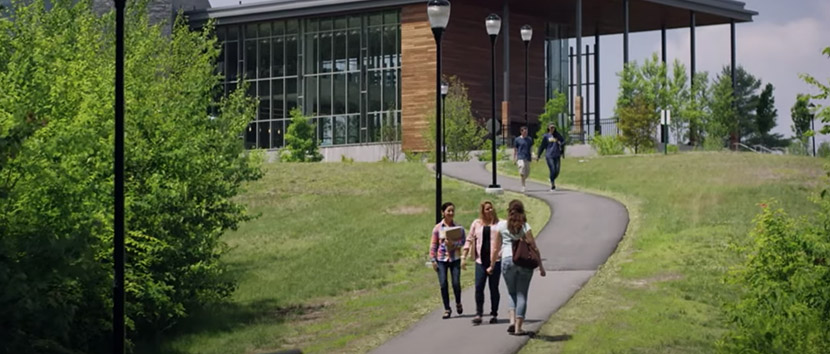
{"x":597,"y":117}
{"x":663,"y":42}
{"x":692,"y":37}
{"x":625,"y":31}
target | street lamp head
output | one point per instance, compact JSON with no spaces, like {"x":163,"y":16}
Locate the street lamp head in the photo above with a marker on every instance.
{"x":493,"y":24}
{"x":438,"y":12}
{"x":527,"y":33}
{"x":445,"y":88}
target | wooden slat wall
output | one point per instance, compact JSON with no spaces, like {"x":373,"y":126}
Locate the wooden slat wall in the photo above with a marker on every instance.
{"x":417,"y":75}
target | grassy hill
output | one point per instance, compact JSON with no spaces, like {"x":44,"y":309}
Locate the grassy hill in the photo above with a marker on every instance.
{"x":335,"y":262}
{"x":663,"y":291}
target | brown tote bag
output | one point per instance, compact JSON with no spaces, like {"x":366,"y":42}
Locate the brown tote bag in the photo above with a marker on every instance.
{"x":524,"y":255}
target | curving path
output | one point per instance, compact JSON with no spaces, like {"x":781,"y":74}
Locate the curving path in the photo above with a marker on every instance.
{"x":583,"y":231}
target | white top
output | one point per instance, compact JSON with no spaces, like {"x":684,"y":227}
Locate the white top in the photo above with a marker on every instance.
{"x":507,"y":238}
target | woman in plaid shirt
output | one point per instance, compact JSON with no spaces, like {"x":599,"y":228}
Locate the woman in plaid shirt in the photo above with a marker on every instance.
{"x":447,"y":256}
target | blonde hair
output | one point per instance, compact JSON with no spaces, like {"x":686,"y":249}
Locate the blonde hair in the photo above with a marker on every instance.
{"x":481,"y":215}
{"x":516,"y":218}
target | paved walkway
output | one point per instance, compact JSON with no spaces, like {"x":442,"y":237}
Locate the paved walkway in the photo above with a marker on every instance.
{"x":584,"y":230}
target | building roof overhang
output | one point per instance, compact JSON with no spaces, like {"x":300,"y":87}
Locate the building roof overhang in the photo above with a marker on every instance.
{"x":599,"y":16}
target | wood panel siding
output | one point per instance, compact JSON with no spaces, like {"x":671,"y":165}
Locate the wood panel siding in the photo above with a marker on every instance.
{"x":417,"y":76}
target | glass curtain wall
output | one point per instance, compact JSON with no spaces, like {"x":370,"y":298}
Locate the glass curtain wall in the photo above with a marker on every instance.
{"x":556,"y":60}
{"x":344,"y":71}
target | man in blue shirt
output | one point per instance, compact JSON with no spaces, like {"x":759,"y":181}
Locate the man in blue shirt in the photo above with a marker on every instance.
{"x":522,"y":146}
{"x":553,"y":145}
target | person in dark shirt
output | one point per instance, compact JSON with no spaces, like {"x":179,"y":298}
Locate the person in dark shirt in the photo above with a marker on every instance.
{"x":553,"y":145}
{"x":522,"y":146}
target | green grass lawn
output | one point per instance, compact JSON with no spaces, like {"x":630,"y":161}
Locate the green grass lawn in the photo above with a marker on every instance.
{"x":663,"y":290}
{"x":334,"y":263}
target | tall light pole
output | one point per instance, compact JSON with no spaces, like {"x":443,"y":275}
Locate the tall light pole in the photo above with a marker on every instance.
{"x":445,"y":89}
{"x":118,"y":326}
{"x":438,"y":12}
{"x":493,"y":25}
{"x":527,"y":34}
{"x":813,"y":125}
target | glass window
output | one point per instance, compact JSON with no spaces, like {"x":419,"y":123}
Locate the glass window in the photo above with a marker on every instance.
{"x":264,"y":109}
{"x":325,"y":95}
{"x":277,"y":99}
{"x":264,"y":63}
{"x":389,"y":90}
{"x":354,"y":50}
{"x":354,"y":93}
{"x":291,"y":27}
{"x":376,"y":19}
{"x":232,"y":52}
{"x":277,"y":59}
{"x":339,"y":94}
{"x":325,"y":24}
{"x":265,"y":29}
{"x":250,"y":136}
{"x":325,"y":130}
{"x":340,"y":23}
{"x":374,"y":45}
{"x":220,"y":63}
{"x":353,"y":129}
{"x":233,"y":33}
{"x":250,"y":59}
{"x":311,"y":96}
{"x":277,"y":135}
{"x":390,"y":18}
{"x":340,"y":51}
{"x":354,"y":21}
{"x":375,"y":86}
{"x":250,"y":31}
{"x":290,"y":94}
{"x":279,"y":28}
{"x":339,"y":130}
{"x":311,"y":59}
{"x":291,"y":56}
{"x":325,"y":53}
{"x":389,"y":46}
{"x":264,"y":132}
{"x":313,"y":25}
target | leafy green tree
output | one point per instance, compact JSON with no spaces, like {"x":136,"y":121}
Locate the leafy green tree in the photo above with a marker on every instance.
{"x":801,"y":115}
{"x":638,"y":123}
{"x":555,"y":108}
{"x":182,"y":171}
{"x":697,"y":110}
{"x":299,"y":140}
{"x":722,"y":120}
{"x":765,"y":118}
{"x":822,"y":112}
{"x":678,"y":99}
{"x":461,"y":131}
{"x":745,"y":95}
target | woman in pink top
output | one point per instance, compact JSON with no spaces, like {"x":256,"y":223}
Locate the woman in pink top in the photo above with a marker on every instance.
{"x":481,"y":240}
{"x":446,"y":256}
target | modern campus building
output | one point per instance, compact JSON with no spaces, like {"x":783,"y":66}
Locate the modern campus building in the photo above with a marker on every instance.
{"x":357,"y":66}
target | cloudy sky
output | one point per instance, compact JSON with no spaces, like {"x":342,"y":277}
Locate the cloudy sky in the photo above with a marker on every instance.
{"x":785,"y":40}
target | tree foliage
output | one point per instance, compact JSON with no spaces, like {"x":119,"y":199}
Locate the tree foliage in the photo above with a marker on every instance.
{"x":555,"y":108}
{"x":822,"y":112}
{"x":723,"y":115}
{"x":462,"y":133}
{"x":801,"y":115}
{"x":56,"y":181}
{"x":300,"y":145}
{"x":638,"y":123}
{"x":745,"y":95}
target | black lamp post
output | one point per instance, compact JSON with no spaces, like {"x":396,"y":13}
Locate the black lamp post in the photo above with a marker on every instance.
{"x":527,"y":34}
{"x":438,"y":12}
{"x":813,"y":125}
{"x":118,"y":326}
{"x":493,"y":25}
{"x":445,"y":89}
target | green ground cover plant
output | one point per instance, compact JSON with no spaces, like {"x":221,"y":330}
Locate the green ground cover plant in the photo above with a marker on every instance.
{"x":664,"y":290}
{"x":335,"y":262}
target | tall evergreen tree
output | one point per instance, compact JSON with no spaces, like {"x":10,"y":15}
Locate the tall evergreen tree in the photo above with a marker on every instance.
{"x":745,"y":96}
{"x":801,"y":115}
{"x":766,"y":114}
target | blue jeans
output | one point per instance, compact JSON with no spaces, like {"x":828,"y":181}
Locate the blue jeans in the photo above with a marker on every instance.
{"x":517,"y":280}
{"x":455,"y":270}
{"x":493,"y":279}
{"x":553,"y":167}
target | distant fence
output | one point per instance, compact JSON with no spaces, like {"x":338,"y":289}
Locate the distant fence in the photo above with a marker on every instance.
{"x":608,"y":126}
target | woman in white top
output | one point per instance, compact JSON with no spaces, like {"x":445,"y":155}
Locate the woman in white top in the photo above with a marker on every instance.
{"x":517,"y":278}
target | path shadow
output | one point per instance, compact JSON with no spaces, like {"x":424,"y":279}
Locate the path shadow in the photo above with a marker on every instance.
{"x":547,"y":338}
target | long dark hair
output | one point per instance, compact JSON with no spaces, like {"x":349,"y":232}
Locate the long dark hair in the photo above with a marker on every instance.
{"x":515,"y":217}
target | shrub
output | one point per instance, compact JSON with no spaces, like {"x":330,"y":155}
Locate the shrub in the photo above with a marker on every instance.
{"x":673,"y":149}
{"x":637,"y":124}
{"x":785,"y":286}
{"x":608,"y":145}
{"x":487,"y":154}
{"x":299,"y":140}
{"x":823,"y":150}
